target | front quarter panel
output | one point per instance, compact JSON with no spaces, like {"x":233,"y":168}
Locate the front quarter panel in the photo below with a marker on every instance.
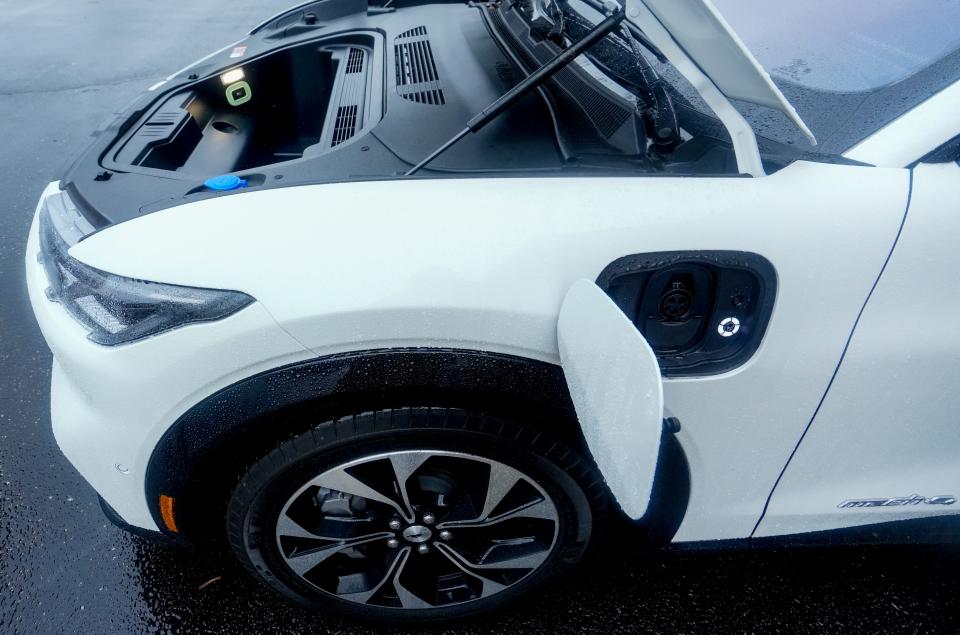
{"x":110,"y":405}
{"x":484,"y":264}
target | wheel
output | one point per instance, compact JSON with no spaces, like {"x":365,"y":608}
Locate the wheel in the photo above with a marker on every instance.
{"x":414,"y":514}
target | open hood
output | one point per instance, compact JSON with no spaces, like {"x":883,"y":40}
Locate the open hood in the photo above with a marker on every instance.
{"x":702,"y":46}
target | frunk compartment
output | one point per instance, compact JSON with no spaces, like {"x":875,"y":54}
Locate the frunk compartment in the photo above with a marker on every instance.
{"x":308,"y":98}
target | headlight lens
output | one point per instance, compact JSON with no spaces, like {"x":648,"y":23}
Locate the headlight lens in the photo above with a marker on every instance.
{"x":116,"y":309}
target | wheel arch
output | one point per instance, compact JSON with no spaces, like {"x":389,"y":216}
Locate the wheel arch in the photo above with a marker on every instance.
{"x":201,"y":456}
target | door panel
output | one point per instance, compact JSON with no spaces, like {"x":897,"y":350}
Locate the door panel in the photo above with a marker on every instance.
{"x":885,"y":444}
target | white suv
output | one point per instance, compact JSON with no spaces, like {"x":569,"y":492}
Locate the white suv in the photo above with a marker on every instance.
{"x":405,"y":301}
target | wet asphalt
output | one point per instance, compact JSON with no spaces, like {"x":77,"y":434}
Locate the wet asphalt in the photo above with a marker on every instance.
{"x":64,"y":67}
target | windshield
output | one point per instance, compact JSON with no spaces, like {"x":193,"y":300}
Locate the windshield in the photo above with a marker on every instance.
{"x":849,"y":67}
{"x":847,"y":46}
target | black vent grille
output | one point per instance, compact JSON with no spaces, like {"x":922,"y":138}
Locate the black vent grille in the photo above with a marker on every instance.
{"x":355,"y":61}
{"x":607,"y":116}
{"x":345,"y":126}
{"x":417,"y":77}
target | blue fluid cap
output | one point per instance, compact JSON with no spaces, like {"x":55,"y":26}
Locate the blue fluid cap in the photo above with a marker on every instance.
{"x":224,"y":183}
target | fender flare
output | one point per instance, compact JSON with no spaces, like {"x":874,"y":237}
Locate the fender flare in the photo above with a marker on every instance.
{"x":240,"y":415}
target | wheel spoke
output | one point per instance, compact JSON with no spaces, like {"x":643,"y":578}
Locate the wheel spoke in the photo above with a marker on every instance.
{"x":407,"y":599}
{"x":348,"y":529}
{"x":535,"y":509}
{"x":404,"y":465}
{"x":341,"y":481}
{"x":287,"y":526}
{"x":489,"y":586}
{"x":363,"y":597}
{"x":525,"y":561}
{"x":502,"y":480}
{"x":301,"y":563}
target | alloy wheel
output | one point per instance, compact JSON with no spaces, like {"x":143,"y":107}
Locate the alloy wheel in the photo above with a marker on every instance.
{"x":417,"y":529}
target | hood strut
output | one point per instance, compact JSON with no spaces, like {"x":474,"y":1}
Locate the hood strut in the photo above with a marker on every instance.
{"x":535,"y":79}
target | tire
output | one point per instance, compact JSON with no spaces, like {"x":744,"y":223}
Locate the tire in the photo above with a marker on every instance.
{"x":511,"y":511}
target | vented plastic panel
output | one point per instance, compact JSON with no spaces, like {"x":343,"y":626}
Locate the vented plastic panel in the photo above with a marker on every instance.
{"x":355,"y":61}
{"x":158,"y":125}
{"x":349,"y":99}
{"x":345,"y":125}
{"x":162,"y":128}
{"x":604,"y":113}
{"x":417,"y":77}
{"x":607,"y":116}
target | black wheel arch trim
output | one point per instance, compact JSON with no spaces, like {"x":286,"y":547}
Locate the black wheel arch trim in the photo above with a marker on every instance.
{"x":341,"y":384}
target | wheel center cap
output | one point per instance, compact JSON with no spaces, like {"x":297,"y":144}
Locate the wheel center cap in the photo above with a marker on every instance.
{"x":417,"y":534}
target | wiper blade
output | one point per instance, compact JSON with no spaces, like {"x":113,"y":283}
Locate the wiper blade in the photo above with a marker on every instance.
{"x":620,"y":58}
{"x":634,"y":30}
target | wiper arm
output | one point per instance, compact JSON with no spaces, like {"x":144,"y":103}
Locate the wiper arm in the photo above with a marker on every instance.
{"x":657,"y":111}
{"x":634,"y":30}
{"x":535,"y":79}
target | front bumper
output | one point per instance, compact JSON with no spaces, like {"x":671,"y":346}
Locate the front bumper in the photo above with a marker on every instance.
{"x":110,"y":405}
{"x":157,"y":537}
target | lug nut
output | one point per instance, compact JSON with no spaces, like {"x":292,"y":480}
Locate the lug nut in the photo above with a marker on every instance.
{"x":423,"y":549}
{"x":395,"y":524}
{"x":445,"y":535}
{"x":429,"y":518}
{"x":393,"y":543}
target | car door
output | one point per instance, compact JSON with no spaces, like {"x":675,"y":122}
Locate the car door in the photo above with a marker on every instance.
{"x":884,"y":444}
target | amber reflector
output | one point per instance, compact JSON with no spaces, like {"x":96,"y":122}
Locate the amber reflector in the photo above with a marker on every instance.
{"x":166,"y":513}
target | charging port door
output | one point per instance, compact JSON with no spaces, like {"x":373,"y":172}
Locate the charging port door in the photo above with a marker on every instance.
{"x":616,"y":387}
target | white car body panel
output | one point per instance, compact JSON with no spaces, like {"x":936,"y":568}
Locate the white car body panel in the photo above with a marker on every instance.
{"x":128,"y":396}
{"x":913,"y":135}
{"x":614,"y":381}
{"x":485,"y":263}
{"x":888,"y":427}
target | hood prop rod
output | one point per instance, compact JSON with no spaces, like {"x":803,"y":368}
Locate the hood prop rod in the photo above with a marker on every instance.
{"x":535,"y":79}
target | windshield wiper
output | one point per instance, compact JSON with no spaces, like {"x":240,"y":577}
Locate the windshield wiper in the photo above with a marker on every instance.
{"x":620,"y":57}
{"x":535,"y":79}
{"x":633,"y":30}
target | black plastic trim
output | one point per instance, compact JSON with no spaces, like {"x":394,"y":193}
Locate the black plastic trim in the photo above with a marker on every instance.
{"x":935,"y":530}
{"x":178,"y":90}
{"x":289,"y":399}
{"x":690,"y":364}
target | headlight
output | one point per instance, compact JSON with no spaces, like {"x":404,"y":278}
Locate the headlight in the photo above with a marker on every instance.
{"x":115,"y":309}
